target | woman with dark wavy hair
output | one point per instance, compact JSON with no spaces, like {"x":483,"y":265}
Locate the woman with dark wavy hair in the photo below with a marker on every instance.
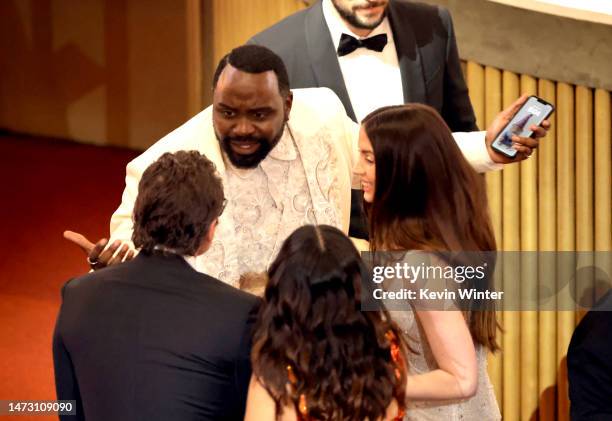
{"x":316,"y":355}
{"x":421,"y":194}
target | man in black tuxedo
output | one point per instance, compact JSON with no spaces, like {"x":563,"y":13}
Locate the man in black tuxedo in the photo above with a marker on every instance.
{"x":152,"y":338}
{"x":589,"y":364}
{"x":373,"y":53}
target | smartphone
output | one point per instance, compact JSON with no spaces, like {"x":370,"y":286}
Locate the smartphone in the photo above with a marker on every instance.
{"x":533,"y":112}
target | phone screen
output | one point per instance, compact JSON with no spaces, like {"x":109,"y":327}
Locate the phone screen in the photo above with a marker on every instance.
{"x":533,"y":112}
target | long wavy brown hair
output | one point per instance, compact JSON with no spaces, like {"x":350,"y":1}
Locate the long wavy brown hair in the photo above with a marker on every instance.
{"x":311,"y":321}
{"x":428,"y":197}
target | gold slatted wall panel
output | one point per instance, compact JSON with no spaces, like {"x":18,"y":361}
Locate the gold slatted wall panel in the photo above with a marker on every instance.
{"x":566,"y":229}
{"x":235,"y":21}
{"x":493,"y":105}
{"x":510,"y":241}
{"x":528,"y":349}
{"x":603,"y":184}
{"x":547,"y":241}
{"x":559,"y":200}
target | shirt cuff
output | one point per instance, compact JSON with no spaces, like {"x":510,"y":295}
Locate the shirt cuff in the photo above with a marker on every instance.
{"x":474,"y":149}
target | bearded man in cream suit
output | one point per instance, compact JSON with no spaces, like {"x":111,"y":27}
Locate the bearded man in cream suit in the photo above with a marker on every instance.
{"x":285,"y":158}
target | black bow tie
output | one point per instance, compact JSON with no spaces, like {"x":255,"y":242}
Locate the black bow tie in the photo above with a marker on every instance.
{"x":348,"y":44}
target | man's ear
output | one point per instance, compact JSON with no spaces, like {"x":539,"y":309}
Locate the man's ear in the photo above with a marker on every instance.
{"x":208,"y":238}
{"x":210,"y":235}
{"x":288,"y":104}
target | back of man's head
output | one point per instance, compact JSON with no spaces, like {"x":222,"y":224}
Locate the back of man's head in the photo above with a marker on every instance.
{"x":179,"y":198}
{"x":255,"y":59}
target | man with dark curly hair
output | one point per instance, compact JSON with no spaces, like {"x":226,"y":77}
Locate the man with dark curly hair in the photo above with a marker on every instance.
{"x":154,"y":339}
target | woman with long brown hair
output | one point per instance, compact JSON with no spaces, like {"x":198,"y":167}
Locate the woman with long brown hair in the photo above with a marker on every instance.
{"x":421,"y":194}
{"x":316,"y":355}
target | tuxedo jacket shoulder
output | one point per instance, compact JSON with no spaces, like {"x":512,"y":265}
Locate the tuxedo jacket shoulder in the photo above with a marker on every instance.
{"x":425,"y":44}
{"x":152,"y":339}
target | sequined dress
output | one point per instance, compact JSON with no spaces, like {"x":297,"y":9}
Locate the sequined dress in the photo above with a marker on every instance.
{"x":481,"y":407}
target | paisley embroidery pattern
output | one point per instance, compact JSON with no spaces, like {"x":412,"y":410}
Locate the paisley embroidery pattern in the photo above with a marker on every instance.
{"x":297,"y":184}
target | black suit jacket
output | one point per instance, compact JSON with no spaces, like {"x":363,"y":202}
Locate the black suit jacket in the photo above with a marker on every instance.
{"x":426,"y":50}
{"x":152,"y":339}
{"x":589,"y":364}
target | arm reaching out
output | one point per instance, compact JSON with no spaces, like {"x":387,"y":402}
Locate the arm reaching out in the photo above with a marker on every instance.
{"x":475,"y":146}
{"x":101,"y":254}
{"x":524,"y":145}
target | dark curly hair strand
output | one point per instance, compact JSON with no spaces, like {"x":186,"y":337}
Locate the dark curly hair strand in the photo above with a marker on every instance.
{"x":179,"y":196}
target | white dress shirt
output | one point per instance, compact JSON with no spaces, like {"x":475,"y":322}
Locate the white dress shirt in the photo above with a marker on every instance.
{"x":372,"y":78}
{"x":267,"y":203}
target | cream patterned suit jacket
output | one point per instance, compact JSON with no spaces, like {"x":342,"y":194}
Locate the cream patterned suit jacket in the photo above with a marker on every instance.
{"x":326,"y":140}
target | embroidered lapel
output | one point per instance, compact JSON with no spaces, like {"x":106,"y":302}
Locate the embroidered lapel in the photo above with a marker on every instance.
{"x":320,"y":166}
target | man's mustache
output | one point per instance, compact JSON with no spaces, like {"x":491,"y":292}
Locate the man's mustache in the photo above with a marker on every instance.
{"x":249,"y":139}
{"x":367,"y":5}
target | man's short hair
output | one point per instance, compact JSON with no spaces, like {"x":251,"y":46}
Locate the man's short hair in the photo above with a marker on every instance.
{"x":255,"y":59}
{"x":179,"y":196}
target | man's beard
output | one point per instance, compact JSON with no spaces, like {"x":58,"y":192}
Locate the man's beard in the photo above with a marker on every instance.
{"x":351,"y":17}
{"x":251,"y":160}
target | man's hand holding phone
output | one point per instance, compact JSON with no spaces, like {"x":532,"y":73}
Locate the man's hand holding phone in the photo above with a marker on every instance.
{"x":499,"y":133}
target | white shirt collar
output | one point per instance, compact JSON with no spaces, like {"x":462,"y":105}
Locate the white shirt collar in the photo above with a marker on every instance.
{"x":284,"y":149}
{"x":337,"y":26}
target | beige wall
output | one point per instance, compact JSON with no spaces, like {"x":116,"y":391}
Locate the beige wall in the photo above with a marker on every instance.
{"x":235,"y":21}
{"x":106,"y":72}
{"x":117,"y":72}
{"x":230,"y":23}
{"x":534,"y":38}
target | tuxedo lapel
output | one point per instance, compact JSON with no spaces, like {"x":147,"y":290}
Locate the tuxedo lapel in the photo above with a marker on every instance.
{"x":322,"y":55}
{"x":408,"y":55}
{"x":319,"y":160}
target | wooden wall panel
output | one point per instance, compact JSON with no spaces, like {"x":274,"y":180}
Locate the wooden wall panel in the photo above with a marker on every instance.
{"x":529,"y":273}
{"x":584,"y":195}
{"x":559,"y":200}
{"x":235,"y":21}
{"x":120,"y":72}
{"x":511,"y":272}
{"x":603,"y":171}
{"x":603,"y":181}
{"x":547,"y":241}
{"x":493,"y":105}
{"x":566,"y":229}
